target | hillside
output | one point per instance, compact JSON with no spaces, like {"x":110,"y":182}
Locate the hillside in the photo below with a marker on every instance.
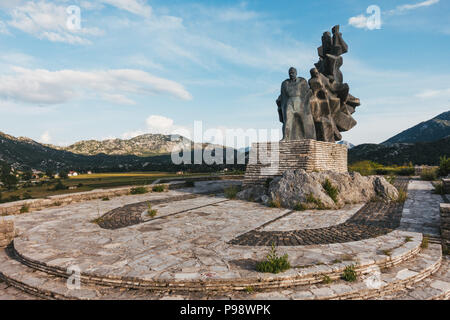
{"x":427,"y":131}
{"x":402,"y":153}
{"x":25,"y":153}
{"x":143,"y":145}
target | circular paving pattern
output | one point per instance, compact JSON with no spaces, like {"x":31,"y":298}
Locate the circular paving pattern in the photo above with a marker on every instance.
{"x":372,"y":220}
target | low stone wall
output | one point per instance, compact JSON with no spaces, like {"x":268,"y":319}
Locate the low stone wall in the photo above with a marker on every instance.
{"x":23,"y":206}
{"x":270,"y":160}
{"x":418,"y":170}
{"x":446,"y":185}
{"x":6,"y":232}
{"x":445,"y":225}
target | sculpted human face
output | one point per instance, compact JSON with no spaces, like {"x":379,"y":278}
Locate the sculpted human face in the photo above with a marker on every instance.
{"x":292,"y":73}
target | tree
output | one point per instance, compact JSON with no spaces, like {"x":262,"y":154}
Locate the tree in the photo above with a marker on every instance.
{"x":49,"y":173}
{"x":63,"y":174}
{"x":10,"y":181}
{"x":27,"y":175}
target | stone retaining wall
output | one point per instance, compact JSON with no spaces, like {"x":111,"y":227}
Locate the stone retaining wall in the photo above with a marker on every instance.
{"x":445,"y":225}
{"x":23,"y":206}
{"x":271,"y":160}
{"x":6,"y":232}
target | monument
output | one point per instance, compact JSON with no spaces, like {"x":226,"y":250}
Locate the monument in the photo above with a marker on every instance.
{"x":313,"y":114}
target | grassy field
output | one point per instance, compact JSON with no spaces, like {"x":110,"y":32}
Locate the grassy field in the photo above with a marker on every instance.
{"x":89,"y":182}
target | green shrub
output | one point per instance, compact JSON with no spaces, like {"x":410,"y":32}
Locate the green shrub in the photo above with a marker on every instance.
{"x":444,"y":166}
{"x":105,"y":199}
{"x":438,"y":188}
{"x":273,"y":263}
{"x":299,"y":207}
{"x":349,"y":274}
{"x":406,"y":171}
{"x":25,"y":208}
{"x":231,"y":192}
{"x":138,"y":190}
{"x":59,"y":186}
{"x":158,"y":188}
{"x":429,"y":174}
{"x":331,"y":190}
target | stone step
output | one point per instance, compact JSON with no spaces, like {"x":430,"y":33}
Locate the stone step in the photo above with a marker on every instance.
{"x":435,"y":287}
{"x":293,"y":277}
{"x":408,"y":279}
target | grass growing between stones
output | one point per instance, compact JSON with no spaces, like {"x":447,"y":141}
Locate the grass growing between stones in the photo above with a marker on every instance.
{"x":326,"y":279}
{"x":424,"y":244}
{"x":349,"y":274}
{"x":231,"y":192}
{"x":402,"y":195}
{"x":25,"y":208}
{"x":275,"y":203}
{"x":273,"y":262}
{"x":331,"y":190}
{"x":97,"y":220}
{"x":311,"y":199}
{"x":300,"y":207}
{"x":151,"y":212}
{"x":105,"y":199}
{"x":138,"y":190}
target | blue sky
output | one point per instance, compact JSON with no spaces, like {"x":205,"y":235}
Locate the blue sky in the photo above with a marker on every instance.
{"x":137,"y":66}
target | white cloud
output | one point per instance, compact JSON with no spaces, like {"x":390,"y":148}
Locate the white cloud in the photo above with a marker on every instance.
{"x":45,"y":137}
{"x":358,"y":21}
{"x":432,"y":93}
{"x":41,"y":86}
{"x":159,"y":124}
{"x":3,"y":28}
{"x":48,"y":21}
{"x":406,"y":7}
{"x":137,"y":7}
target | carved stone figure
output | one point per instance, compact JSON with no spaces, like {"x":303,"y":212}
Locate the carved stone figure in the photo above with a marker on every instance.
{"x":294,"y":109}
{"x":323,"y":109}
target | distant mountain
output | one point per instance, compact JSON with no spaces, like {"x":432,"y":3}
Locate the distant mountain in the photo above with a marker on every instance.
{"x":427,"y":131}
{"x":346,"y":143}
{"x":402,"y":153}
{"x":142,"y":146}
{"x":23,"y":153}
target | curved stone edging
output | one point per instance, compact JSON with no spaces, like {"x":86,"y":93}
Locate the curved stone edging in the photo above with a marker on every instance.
{"x":293,"y":277}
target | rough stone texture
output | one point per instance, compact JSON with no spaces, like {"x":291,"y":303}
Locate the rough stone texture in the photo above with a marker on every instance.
{"x":307,"y":188}
{"x":7,"y":232}
{"x":445,"y":225}
{"x":270,"y":160}
{"x":446,"y":185}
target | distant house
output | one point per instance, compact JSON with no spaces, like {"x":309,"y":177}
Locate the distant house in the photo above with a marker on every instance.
{"x":89,"y":172}
{"x":72,"y":174}
{"x":180,"y":173}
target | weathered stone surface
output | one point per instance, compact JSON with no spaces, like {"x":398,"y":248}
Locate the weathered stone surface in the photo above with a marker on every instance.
{"x":307,"y":188}
{"x":270,"y":160}
{"x":7,"y":232}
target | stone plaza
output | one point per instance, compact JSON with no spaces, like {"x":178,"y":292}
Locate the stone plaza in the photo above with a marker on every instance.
{"x":201,"y":245}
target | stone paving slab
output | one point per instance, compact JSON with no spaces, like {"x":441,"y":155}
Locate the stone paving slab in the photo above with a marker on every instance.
{"x":421,"y":209}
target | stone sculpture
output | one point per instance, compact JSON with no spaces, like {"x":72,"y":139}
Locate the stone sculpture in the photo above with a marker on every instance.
{"x":322,"y":109}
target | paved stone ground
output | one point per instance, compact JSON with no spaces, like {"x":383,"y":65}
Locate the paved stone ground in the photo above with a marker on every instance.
{"x":10,"y":293}
{"x":371,"y":220}
{"x":421,"y":209}
{"x":191,"y":240}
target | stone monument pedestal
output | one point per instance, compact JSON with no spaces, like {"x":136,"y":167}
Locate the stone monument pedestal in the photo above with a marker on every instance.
{"x":270,"y":160}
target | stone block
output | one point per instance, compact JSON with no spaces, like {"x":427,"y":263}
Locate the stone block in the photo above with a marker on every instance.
{"x":268,"y":161}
